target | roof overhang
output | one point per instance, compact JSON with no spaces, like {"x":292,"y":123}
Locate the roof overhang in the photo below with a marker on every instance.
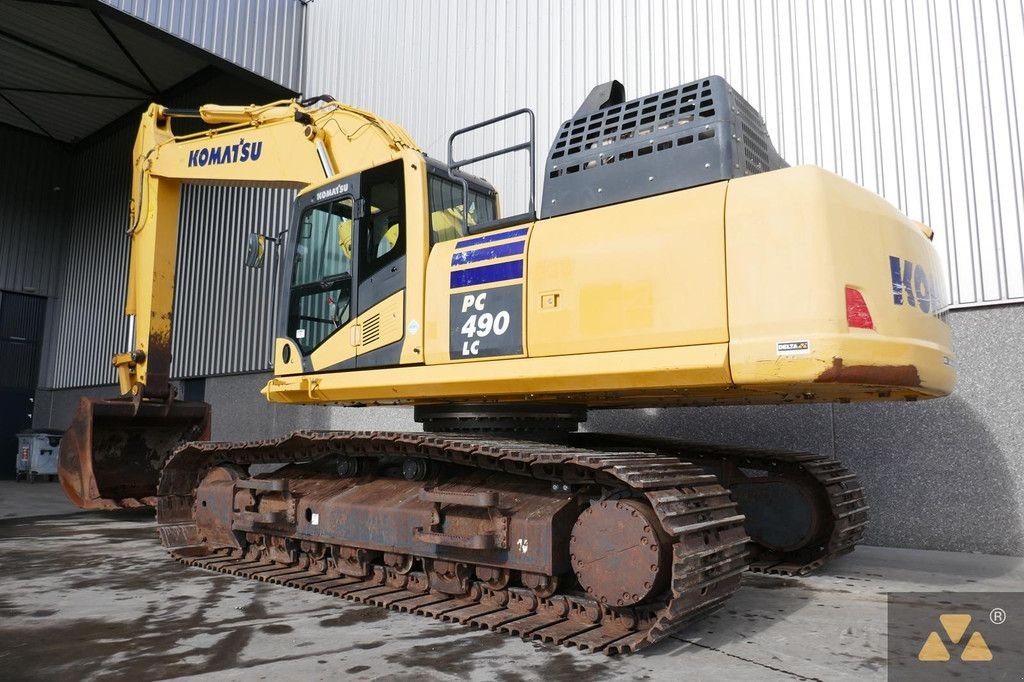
{"x":73,"y":67}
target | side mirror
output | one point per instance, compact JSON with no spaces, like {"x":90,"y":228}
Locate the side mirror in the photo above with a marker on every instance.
{"x":255,"y":250}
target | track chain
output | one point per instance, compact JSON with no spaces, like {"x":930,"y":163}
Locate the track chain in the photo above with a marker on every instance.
{"x":709,"y":543}
{"x":848,"y":508}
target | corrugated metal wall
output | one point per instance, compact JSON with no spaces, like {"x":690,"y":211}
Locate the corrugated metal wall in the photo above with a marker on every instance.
{"x":91,"y":324}
{"x":263,"y":36}
{"x":225,"y":311}
{"x":914,"y":99}
{"x":33,"y":186}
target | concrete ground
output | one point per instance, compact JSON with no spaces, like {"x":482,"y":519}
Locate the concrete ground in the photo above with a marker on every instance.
{"x":93,"y":596}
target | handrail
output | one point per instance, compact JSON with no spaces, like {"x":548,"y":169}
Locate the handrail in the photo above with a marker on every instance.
{"x":454,"y":166}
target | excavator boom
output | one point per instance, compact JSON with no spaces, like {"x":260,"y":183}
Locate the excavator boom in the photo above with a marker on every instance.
{"x":114,"y":449}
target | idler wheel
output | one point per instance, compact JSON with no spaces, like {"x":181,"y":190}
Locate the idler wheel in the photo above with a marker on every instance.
{"x":619,"y":552}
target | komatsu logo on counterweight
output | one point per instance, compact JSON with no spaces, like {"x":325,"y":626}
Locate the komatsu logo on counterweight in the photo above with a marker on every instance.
{"x":228,"y":153}
{"x":912,"y":285}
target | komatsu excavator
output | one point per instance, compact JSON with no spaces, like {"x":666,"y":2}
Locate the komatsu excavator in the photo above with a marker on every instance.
{"x":676,"y":260}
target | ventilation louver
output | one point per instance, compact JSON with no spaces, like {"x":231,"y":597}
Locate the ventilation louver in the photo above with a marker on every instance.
{"x":613,"y":151}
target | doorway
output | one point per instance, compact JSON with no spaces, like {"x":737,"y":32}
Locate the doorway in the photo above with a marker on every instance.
{"x":22,"y":318}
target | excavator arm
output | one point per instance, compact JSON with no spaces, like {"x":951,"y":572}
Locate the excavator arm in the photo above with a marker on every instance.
{"x":281,"y":144}
{"x":113,"y":451}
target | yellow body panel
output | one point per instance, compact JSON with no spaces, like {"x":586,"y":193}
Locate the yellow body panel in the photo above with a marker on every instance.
{"x":643,"y":274}
{"x":377,"y":327}
{"x":382,"y":324}
{"x":340,"y":347}
{"x":417,"y":248}
{"x":796,"y":239}
{"x":687,"y":298}
{"x":293,"y":365}
{"x":619,"y":374}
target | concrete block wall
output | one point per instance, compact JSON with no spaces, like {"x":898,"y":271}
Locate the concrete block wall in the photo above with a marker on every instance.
{"x":241,"y":413}
{"x":942,"y":474}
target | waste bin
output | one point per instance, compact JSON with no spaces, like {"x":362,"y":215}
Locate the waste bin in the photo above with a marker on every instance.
{"x":37,"y":455}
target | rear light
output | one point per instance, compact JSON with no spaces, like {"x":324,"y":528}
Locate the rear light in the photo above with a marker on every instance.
{"x":857,"y":313}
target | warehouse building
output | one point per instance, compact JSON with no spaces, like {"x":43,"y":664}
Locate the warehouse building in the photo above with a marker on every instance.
{"x":915,"y":101}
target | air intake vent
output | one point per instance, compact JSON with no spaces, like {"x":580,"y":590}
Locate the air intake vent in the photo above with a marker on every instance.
{"x":371,"y":330}
{"x":682,"y":137}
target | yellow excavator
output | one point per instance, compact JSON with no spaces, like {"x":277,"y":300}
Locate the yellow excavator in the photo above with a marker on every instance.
{"x":675,"y":260}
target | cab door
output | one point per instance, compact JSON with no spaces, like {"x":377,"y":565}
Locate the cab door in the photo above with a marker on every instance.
{"x":321,"y":294}
{"x":346,"y":305}
{"x":381,"y":267}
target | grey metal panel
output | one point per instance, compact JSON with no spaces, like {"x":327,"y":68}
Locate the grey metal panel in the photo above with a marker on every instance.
{"x":915,"y":100}
{"x":263,"y":36}
{"x":225,"y":312}
{"x":33,"y":189}
{"x":92,"y":327}
{"x":690,"y":135}
{"x":22,"y":318}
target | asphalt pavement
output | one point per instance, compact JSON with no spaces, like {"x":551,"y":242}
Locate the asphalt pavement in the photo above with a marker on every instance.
{"x":92,"y":595}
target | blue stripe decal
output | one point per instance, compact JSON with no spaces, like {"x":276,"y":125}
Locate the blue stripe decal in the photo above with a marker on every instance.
{"x":488,"y":253}
{"x":521,"y":232}
{"x":485,"y":274}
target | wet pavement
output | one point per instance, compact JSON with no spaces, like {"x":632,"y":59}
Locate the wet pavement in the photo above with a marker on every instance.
{"x":94,"y":596}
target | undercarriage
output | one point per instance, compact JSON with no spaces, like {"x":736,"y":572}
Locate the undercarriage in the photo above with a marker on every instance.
{"x":603,"y":542}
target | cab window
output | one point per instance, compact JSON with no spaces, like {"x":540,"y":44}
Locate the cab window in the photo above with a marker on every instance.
{"x":446,"y":208}
{"x":382,"y":227}
{"x":321,"y":288}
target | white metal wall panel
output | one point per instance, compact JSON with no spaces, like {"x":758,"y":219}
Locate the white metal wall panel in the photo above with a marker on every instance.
{"x":914,"y":99}
{"x":263,"y":36}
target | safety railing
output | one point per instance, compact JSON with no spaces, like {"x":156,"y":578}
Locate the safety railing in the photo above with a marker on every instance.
{"x":454,"y":165}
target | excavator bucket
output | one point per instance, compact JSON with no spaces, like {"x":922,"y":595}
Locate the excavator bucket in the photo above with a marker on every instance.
{"x":112,"y":454}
